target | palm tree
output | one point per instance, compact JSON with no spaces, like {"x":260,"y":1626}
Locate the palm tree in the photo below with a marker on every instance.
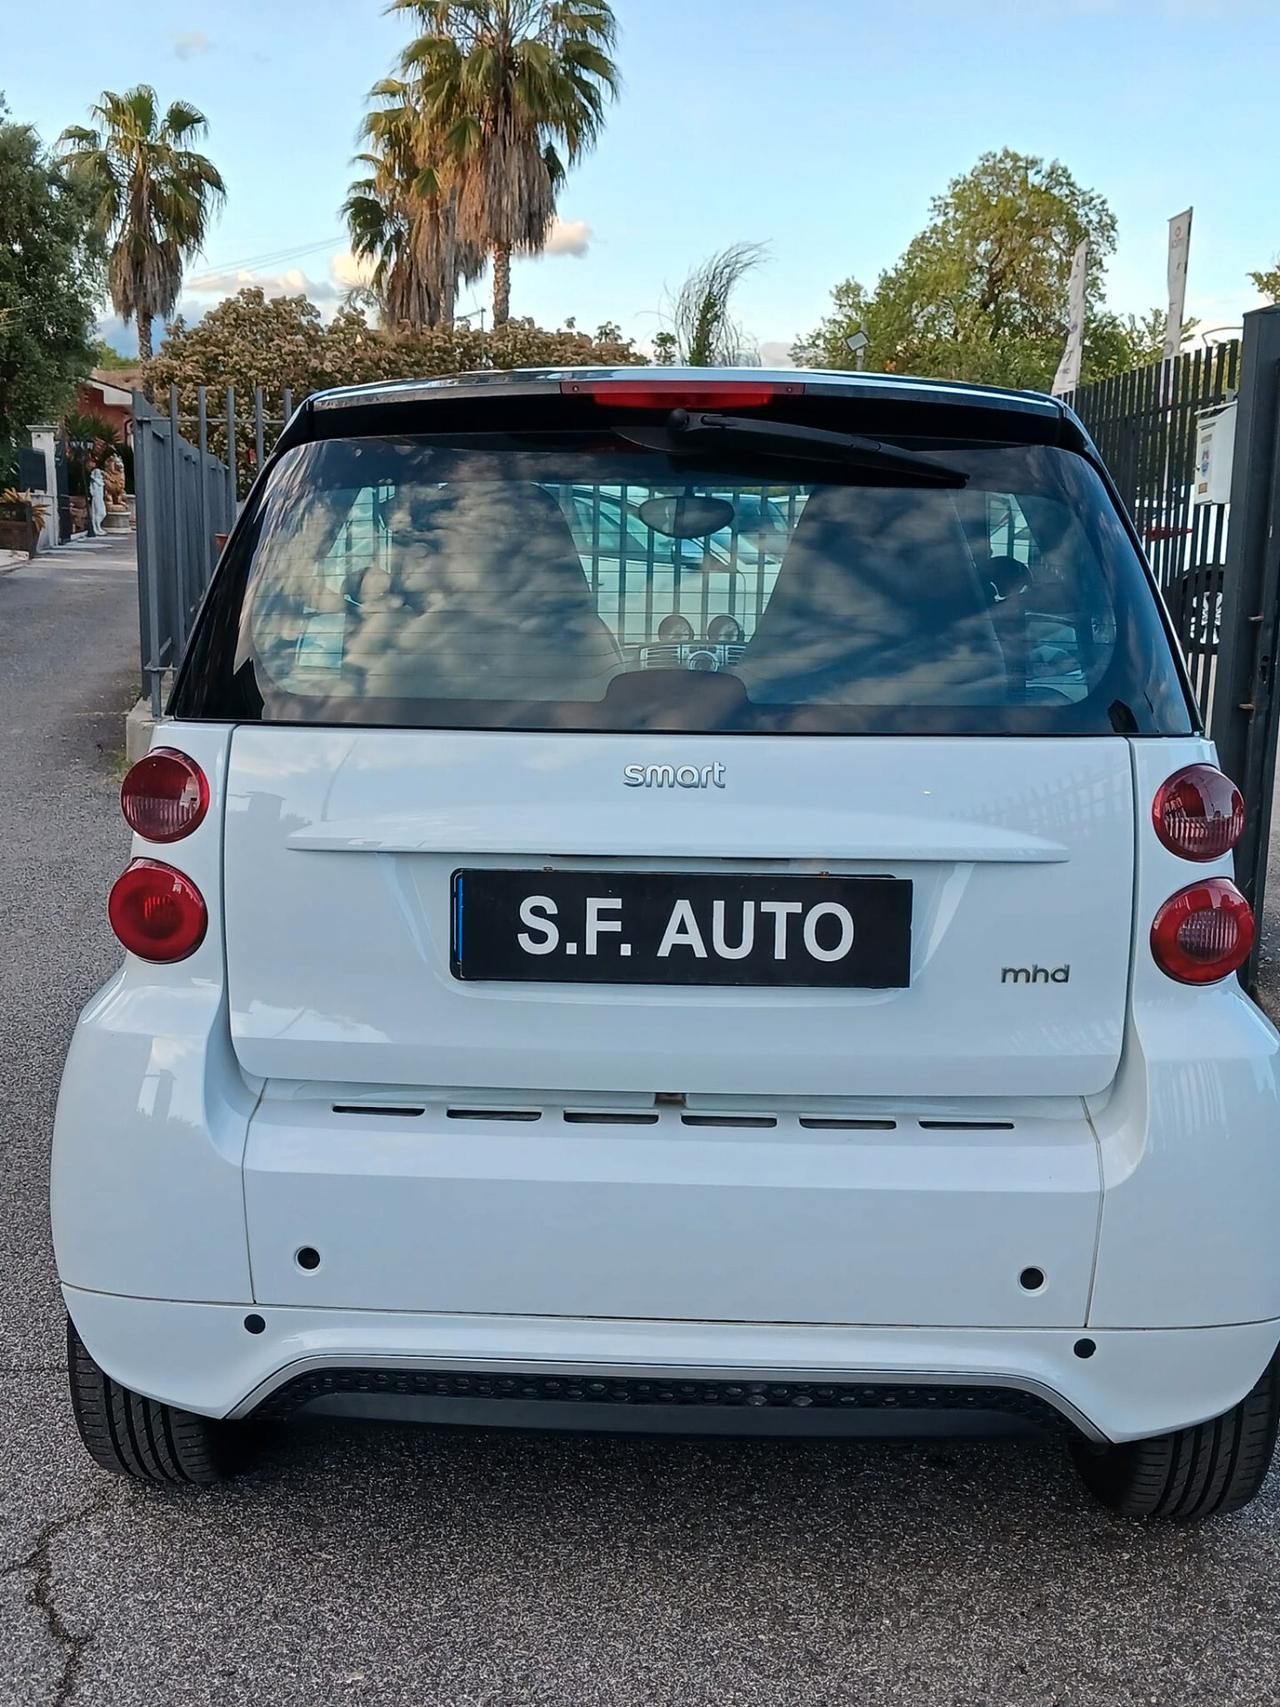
{"x":702,"y":331}
{"x":514,"y":92}
{"x":403,"y":216}
{"x":153,"y":197}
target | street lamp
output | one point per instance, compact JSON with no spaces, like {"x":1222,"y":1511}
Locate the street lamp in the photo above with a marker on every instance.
{"x":857,"y":343}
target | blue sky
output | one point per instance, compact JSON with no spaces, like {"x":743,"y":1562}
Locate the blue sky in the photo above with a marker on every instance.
{"x":819,"y":127}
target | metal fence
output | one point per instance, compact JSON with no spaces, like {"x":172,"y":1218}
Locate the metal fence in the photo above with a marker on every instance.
{"x":191,"y":470}
{"x":1218,"y":563}
{"x":1246,"y":705}
{"x":186,"y":498}
{"x":1145,"y":424}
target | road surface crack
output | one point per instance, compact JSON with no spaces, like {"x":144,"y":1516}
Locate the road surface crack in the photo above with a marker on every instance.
{"x":41,"y":1595}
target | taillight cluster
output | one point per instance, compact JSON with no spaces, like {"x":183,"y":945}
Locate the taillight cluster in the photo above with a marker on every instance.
{"x":165,"y":796}
{"x":157,"y":912}
{"x":1204,"y":932}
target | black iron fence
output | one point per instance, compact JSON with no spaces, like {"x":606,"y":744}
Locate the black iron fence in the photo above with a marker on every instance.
{"x":1246,"y":705}
{"x":1218,"y":562}
{"x":1146,"y":424}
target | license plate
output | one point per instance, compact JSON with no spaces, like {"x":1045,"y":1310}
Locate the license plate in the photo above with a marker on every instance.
{"x":595,"y":927}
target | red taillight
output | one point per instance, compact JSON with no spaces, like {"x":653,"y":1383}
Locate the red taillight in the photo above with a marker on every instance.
{"x":1203,"y":933}
{"x":679,"y":393}
{"x":1198,"y":813}
{"x":157,"y":912}
{"x":164,"y":796}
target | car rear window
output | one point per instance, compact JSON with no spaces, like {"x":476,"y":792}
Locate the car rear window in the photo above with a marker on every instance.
{"x":561,"y":585}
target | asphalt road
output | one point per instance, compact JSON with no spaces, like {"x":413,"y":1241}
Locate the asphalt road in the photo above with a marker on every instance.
{"x":384,"y":1565}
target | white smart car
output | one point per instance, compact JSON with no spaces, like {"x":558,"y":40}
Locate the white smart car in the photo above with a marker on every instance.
{"x":781,"y":985}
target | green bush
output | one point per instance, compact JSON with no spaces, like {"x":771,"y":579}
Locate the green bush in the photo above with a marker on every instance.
{"x":281,"y":343}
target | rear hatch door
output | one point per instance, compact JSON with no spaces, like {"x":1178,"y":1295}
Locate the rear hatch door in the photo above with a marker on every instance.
{"x":1010,"y":861}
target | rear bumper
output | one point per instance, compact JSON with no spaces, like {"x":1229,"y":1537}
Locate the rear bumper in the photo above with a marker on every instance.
{"x":1137,"y":1382}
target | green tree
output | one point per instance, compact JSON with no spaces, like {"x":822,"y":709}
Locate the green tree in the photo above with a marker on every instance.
{"x":827,"y":346}
{"x":1118,"y":343}
{"x":108,"y":360}
{"x":510,"y":93}
{"x":50,"y":281}
{"x":705,"y":335}
{"x":281,"y":343}
{"x":153,"y":197}
{"x":403,"y":216}
{"x":981,"y":294}
{"x":1268,"y":283}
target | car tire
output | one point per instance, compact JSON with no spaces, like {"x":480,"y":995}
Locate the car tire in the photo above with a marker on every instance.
{"x":1199,"y":1472}
{"x":133,"y":1436}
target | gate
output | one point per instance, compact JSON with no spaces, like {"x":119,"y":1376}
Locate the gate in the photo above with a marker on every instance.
{"x":1218,"y":563}
{"x":61,"y":495}
{"x":1145,"y":424}
{"x":185,"y":498}
{"x":188,"y":495}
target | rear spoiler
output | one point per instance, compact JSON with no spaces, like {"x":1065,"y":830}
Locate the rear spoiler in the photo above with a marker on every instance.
{"x":570,"y":399}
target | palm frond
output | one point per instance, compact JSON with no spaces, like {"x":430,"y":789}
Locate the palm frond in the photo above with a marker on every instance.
{"x":705,"y":334}
{"x":183,"y":120}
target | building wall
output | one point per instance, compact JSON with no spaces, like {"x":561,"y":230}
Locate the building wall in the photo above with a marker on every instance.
{"x":97,"y":398}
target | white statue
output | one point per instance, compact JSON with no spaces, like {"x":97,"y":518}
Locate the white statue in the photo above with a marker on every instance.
{"x":97,"y":501}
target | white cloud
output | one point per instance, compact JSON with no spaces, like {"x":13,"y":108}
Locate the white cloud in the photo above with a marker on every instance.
{"x":774,"y":353}
{"x":189,"y":44}
{"x":568,"y":237}
{"x":347,"y":271}
{"x":292,"y":282}
{"x":122,"y":338}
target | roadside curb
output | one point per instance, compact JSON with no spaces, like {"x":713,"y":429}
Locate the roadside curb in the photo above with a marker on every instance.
{"x":139,"y":723}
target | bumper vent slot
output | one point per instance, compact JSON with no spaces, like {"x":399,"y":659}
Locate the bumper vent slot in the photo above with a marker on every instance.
{"x":609,"y":1117}
{"x":965,"y":1125}
{"x":383,"y":1108}
{"x":494,"y":1113}
{"x":821,"y":1123}
{"x":738,"y":1120}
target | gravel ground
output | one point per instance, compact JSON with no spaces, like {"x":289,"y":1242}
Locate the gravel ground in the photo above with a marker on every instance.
{"x":385,"y":1565}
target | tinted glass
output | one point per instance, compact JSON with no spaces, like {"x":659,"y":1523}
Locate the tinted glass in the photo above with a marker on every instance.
{"x":414,"y":583}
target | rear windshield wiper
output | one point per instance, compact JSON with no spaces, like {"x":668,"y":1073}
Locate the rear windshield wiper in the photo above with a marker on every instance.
{"x":810,"y":444}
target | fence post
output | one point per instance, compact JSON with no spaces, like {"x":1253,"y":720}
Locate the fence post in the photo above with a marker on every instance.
{"x":206,"y":536}
{"x":231,"y":456}
{"x":181,"y":575}
{"x":146,"y":498}
{"x":1244,"y":699}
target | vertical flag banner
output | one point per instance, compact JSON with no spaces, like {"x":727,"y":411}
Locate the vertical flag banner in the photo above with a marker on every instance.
{"x":1179,"y":247}
{"x":1068,"y":375}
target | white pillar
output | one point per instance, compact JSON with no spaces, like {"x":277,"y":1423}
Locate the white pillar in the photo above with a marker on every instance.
{"x":42,"y":439}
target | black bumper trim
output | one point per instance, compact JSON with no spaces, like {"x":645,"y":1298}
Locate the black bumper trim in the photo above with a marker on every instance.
{"x":636,"y":1392}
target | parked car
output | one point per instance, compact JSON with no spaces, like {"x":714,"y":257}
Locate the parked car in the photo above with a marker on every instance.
{"x":523,"y":1023}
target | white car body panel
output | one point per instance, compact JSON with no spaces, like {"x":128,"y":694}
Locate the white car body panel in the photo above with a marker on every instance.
{"x":340,"y":846}
{"x":147,"y":1190}
{"x":1135,"y":1385}
{"x":1189,"y":1134}
{"x":675,"y":1221}
{"x":184,"y":1181}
